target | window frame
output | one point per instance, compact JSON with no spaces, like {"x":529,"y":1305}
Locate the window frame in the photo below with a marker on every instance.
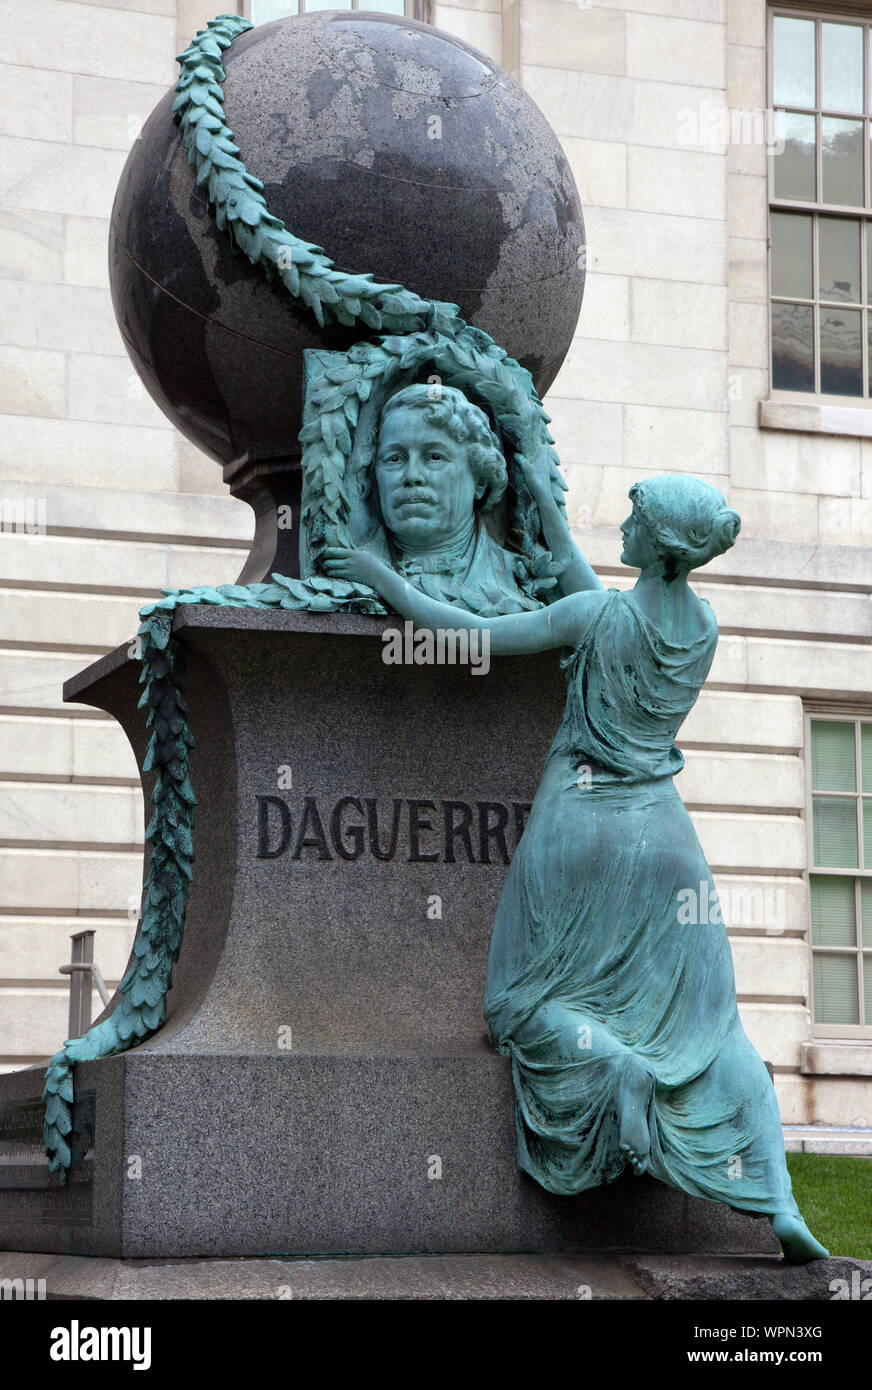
{"x":421,"y":10}
{"x":863,"y":213}
{"x":847,"y":1032}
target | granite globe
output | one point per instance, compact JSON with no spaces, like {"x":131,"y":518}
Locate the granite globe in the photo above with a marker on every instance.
{"x":401,"y":151}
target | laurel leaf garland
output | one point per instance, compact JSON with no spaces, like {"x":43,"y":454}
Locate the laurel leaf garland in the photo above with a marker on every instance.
{"x":240,"y":207}
{"x":141,"y":1001}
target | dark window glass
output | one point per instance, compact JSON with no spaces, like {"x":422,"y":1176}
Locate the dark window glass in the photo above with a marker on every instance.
{"x":841,"y":358}
{"x":792,"y":347}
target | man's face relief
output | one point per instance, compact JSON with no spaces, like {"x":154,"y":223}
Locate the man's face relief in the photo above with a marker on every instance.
{"x":426,"y":489}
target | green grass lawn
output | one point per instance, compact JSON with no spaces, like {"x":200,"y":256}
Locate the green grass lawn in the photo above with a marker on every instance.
{"x":834,"y":1195}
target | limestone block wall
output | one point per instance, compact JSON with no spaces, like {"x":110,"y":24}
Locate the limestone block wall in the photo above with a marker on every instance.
{"x":479,"y":24}
{"x":102,"y":503}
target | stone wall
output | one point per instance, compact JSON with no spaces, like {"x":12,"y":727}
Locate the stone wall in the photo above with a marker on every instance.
{"x":128,"y":506}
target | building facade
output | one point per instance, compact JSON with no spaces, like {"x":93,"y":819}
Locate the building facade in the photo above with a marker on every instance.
{"x":720,"y":148}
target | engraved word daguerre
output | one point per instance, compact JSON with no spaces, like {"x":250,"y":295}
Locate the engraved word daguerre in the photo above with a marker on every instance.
{"x":399,"y":829}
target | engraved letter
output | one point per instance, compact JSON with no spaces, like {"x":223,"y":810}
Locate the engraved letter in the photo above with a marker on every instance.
{"x":488,"y":832}
{"x":416,"y":825}
{"x":457,"y":832}
{"x":355,"y":832}
{"x":315,"y":839}
{"x":263,"y":805}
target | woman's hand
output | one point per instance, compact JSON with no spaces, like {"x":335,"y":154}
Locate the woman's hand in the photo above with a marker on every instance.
{"x":575,"y":574}
{"x":356,"y":565}
{"x":536,"y":471}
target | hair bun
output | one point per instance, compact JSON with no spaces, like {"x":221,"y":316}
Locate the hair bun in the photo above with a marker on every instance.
{"x":726,"y":528}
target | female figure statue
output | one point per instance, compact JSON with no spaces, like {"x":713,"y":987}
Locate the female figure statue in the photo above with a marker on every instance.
{"x":620,"y":1019}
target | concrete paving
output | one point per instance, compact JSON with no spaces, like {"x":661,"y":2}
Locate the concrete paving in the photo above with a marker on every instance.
{"x":828,"y":1139}
{"x":624,"y":1277}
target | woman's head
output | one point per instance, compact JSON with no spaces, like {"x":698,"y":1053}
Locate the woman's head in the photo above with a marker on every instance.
{"x":680,"y":520}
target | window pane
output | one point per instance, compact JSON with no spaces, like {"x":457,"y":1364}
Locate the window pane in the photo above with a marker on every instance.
{"x":839,"y":250}
{"x":835,"y":832}
{"x":842,"y":67}
{"x":794,"y":163}
{"x":841,"y":357}
{"x":835,"y":989}
{"x":326,"y":5}
{"x":832,"y":756}
{"x":866,"y":755}
{"x":793,"y":62}
{"x":867,"y":834}
{"x":866,"y":914}
{"x":842,"y":161}
{"x":399,"y":7}
{"x":792,"y":347}
{"x":264,"y":10}
{"x":867,"y":988}
{"x":832,"y":911}
{"x":791,"y":255}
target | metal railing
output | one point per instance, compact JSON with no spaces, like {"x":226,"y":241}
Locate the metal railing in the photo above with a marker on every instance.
{"x":82,"y":971}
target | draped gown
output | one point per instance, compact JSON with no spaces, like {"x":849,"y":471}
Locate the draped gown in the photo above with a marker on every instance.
{"x":593,"y":979}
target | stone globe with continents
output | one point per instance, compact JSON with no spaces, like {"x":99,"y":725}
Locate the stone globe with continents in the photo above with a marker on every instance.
{"x":403,"y":153}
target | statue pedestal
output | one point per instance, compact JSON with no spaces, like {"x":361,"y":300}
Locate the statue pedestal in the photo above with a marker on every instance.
{"x":324,"y":1082}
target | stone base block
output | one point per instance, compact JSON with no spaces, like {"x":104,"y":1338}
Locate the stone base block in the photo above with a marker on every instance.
{"x":233,"y":1155}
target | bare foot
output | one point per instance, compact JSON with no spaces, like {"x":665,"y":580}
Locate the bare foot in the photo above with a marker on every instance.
{"x":633,"y":1102}
{"x":638,"y":1163}
{"x":798,"y":1245}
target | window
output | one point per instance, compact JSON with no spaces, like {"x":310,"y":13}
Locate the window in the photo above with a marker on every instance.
{"x":840,"y":874}
{"x":820,"y":207}
{"x":261,"y":11}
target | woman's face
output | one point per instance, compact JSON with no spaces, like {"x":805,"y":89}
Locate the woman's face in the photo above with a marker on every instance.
{"x":638,"y":548}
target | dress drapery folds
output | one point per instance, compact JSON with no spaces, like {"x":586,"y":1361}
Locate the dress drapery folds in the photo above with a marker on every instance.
{"x":598,"y":987}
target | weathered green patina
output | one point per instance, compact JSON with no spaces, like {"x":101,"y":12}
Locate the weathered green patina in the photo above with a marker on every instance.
{"x":141,"y":1003}
{"x":372,"y":379}
{"x":619,"y":1016}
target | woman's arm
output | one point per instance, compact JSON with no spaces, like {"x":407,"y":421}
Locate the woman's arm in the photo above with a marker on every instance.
{"x":577,"y":575}
{"x":561,"y":624}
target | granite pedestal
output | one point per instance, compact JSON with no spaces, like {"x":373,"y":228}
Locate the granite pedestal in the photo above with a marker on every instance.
{"x":324,"y":1081}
